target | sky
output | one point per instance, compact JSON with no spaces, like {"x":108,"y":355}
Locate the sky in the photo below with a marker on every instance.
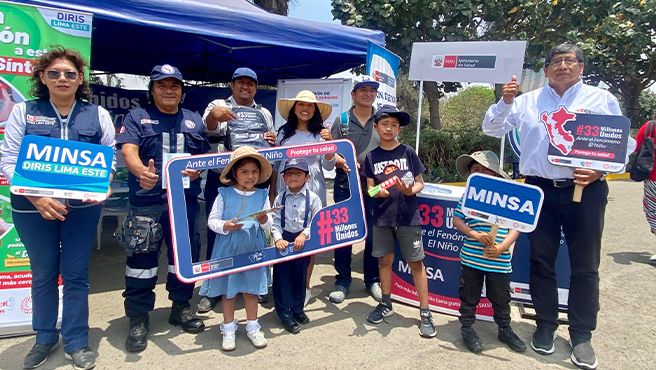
{"x":314,"y":10}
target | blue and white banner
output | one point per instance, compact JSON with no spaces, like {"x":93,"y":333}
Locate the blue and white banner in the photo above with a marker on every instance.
{"x":62,"y":169}
{"x":335,"y":226}
{"x":502,"y":202}
{"x":383,"y":66}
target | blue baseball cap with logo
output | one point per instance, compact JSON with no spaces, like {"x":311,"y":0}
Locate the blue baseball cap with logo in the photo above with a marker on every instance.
{"x":244,"y":72}
{"x":163,"y":71}
{"x":392,"y":111}
{"x":297,"y":163}
{"x":365,"y":80}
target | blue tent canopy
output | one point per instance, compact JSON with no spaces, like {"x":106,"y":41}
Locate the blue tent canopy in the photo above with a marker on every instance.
{"x":208,"y":39}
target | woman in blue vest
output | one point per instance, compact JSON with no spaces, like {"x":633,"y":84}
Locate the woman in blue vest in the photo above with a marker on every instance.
{"x":58,"y":234}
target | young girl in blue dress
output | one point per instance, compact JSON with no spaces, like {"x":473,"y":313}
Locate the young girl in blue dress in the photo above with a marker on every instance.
{"x":246,"y":169}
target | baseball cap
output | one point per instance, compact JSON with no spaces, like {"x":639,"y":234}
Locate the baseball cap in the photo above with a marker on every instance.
{"x":392,"y":111}
{"x":365,"y":80}
{"x":297,"y":163}
{"x":163,"y":71}
{"x":244,"y":72}
{"x":484,"y":157}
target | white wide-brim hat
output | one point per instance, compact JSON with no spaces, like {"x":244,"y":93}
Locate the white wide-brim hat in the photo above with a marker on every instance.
{"x":307,"y":96}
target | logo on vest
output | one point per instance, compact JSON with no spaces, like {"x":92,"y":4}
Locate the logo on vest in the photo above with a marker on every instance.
{"x":41,"y":120}
{"x":189,"y":124}
{"x":146,"y":121}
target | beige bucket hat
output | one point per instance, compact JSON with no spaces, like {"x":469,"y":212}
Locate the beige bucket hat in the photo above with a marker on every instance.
{"x":485,"y":158}
{"x":247,"y":152}
{"x":285,"y":105}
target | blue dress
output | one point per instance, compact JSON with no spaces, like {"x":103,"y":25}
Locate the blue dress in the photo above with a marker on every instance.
{"x":249,"y":239}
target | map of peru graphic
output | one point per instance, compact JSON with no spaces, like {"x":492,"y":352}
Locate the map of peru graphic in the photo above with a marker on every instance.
{"x":555,"y":122}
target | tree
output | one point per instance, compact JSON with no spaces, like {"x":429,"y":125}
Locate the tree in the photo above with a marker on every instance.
{"x":468,"y":107}
{"x":618,"y":37}
{"x":280,"y":7}
{"x":405,"y":22}
{"x":647,"y":108}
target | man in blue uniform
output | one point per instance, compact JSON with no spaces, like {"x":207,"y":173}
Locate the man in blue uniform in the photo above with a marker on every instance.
{"x":148,"y":137}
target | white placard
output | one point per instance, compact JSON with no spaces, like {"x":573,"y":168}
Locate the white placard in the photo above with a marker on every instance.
{"x":468,"y":61}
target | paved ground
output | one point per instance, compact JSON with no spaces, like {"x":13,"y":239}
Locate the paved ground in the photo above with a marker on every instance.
{"x":339,"y":337}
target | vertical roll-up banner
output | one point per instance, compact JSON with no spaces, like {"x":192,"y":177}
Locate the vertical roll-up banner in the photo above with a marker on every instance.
{"x":26,"y":33}
{"x":383,"y":66}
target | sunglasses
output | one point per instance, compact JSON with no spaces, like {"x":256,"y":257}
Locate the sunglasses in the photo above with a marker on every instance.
{"x":55,"y":75}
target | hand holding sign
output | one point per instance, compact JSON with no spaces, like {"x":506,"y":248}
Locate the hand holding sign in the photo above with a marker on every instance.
{"x":49,"y":208}
{"x":586,"y":142}
{"x":509,"y":90}
{"x":502,"y":202}
{"x":149,"y":176}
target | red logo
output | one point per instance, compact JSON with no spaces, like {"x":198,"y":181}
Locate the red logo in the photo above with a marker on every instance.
{"x":450,"y":61}
{"x":26,"y":305}
{"x":205,"y":267}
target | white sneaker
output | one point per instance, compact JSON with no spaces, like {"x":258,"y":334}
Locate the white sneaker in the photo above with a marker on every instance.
{"x":228,"y":342}
{"x":257,"y":338}
{"x":652,"y":259}
{"x":376,"y":292}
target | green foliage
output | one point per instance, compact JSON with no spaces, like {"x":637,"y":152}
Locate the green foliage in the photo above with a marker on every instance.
{"x":468,"y":107}
{"x":617,"y":37}
{"x":438,"y":149}
{"x":647,"y":108}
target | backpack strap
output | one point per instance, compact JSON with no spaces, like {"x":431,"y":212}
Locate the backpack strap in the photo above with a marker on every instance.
{"x":344,"y":124}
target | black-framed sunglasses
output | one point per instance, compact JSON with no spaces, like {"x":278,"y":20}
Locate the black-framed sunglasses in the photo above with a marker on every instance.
{"x":54,"y":75}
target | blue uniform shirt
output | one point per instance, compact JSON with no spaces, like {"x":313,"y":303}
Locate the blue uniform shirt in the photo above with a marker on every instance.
{"x":156,"y":133}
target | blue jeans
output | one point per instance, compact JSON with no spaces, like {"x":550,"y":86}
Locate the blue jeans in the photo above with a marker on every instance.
{"x":54,"y":248}
{"x":343,"y":255}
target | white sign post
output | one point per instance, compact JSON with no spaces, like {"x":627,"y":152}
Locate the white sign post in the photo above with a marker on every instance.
{"x":468,"y":61}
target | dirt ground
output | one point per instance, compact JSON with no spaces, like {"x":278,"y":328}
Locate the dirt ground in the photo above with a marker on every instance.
{"x":339,"y":337}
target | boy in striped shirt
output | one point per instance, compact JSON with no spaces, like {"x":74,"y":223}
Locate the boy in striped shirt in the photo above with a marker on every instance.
{"x":484,"y":259}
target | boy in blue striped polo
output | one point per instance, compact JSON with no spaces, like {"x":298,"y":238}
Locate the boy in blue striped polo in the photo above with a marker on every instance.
{"x":484,"y":259}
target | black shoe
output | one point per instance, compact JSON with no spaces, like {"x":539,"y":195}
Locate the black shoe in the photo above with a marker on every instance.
{"x":138,"y":334}
{"x":508,"y":336}
{"x":207,"y":304}
{"x":542,"y":341}
{"x":38,"y":355}
{"x":301,"y":318}
{"x":83,"y":358}
{"x":182,"y":315}
{"x":379,"y":313}
{"x":472,"y":341}
{"x":583,"y":356}
{"x":290,"y":325}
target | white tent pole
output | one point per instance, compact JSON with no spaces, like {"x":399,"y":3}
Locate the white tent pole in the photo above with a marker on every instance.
{"x":421,"y":98}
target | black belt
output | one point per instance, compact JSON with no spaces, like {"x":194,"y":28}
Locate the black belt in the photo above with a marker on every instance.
{"x":541,"y":181}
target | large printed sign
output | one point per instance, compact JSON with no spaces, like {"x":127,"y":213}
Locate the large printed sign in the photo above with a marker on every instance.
{"x":334,"y":226}
{"x":62,"y":169}
{"x":469,"y":61}
{"x":502,"y":202}
{"x":27,"y":33}
{"x":442,"y":244}
{"x":579,"y":140}
{"x":383,"y":66}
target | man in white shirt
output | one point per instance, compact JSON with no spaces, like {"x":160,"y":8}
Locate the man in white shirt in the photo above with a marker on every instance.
{"x":582,"y":223}
{"x":216,"y":117}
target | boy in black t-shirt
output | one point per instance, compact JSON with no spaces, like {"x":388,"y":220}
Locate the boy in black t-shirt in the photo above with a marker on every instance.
{"x":396,"y":216}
